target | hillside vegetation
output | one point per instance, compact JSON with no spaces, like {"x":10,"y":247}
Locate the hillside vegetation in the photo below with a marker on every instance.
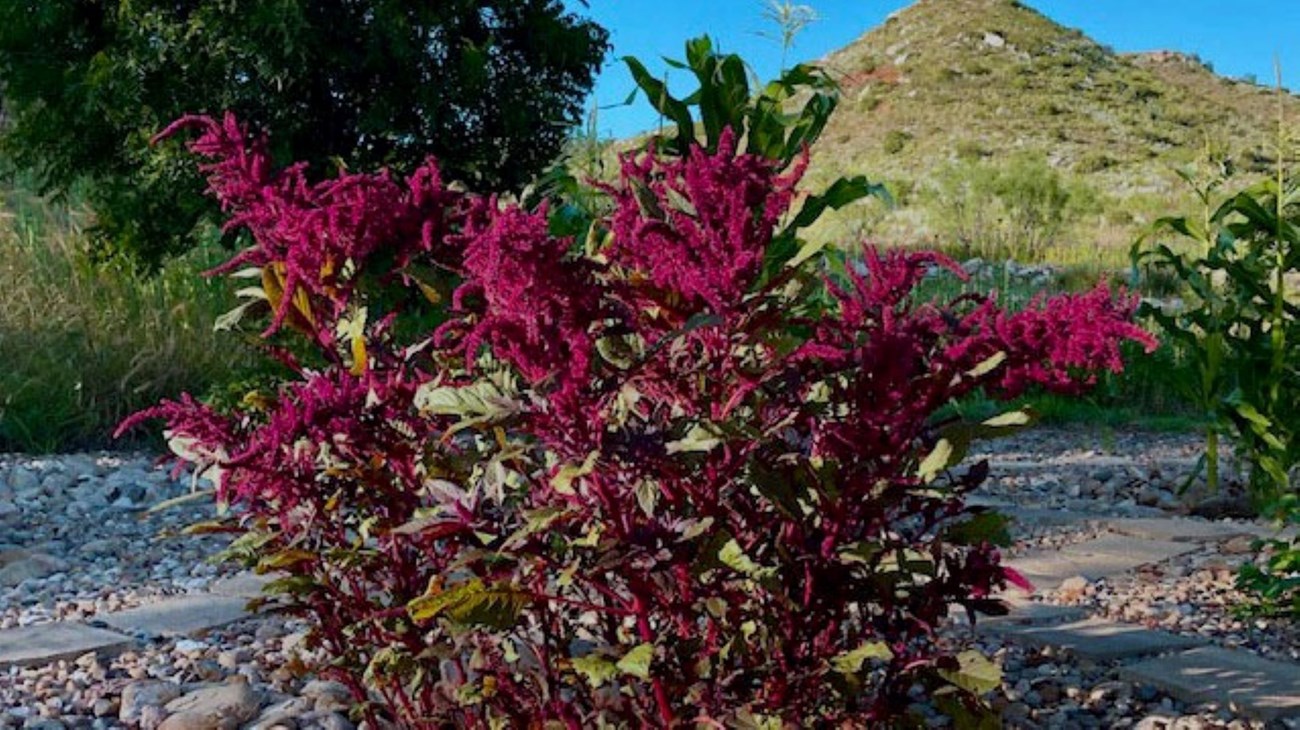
{"x":948,"y":96}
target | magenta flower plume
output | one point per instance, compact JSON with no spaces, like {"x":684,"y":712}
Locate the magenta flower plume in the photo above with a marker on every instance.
{"x":697,"y":227}
{"x":318,"y":234}
{"x":1061,"y":344}
{"x":537,"y":303}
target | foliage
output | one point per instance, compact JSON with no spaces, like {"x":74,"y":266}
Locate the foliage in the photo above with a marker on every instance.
{"x":1015,"y":209}
{"x":489,"y":87}
{"x":85,"y":345}
{"x":680,"y":470}
{"x":1240,"y":326}
{"x":1239,"y":321}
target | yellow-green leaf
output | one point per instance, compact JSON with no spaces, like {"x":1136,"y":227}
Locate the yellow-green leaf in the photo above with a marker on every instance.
{"x":850,"y":662}
{"x":563,"y":480}
{"x":732,"y":556}
{"x":637,"y":661}
{"x":596,"y":669}
{"x":471,"y":603}
{"x":1010,"y":419}
{"x":284,"y":559}
{"x":938,"y":460}
{"x":698,"y":439}
{"x":987,"y":366}
{"x":975,"y":674}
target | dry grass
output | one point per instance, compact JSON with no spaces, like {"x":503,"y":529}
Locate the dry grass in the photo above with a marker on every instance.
{"x":85,"y":345}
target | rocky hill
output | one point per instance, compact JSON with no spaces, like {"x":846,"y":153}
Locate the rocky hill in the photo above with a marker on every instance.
{"x":956,"y":90}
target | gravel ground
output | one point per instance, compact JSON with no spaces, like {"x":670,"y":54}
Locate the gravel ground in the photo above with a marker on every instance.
{"x":75,"y":540}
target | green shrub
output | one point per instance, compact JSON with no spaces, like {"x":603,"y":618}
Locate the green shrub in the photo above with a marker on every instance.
{"x":489,"y":87}
{"x":1094,"y":162}
{"x":896,"y":141}
{"x":1015,"y":209}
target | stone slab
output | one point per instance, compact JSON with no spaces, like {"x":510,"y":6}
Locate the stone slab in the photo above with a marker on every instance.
{"x":1265,"y":689}
{"x":45,"y":643}
{"x":1179,"y":530}
{"x":241,"y":585}
{"x":1090,"y":461}
{"x":1097,"y":639}
{"x":1033,"y":613}
{"x":1100,"y":557}
{"x":1045,"y":516}
{"x":179,"y":616}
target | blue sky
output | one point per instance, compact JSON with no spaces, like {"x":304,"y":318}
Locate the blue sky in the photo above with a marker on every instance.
{"x":1239,"y":37}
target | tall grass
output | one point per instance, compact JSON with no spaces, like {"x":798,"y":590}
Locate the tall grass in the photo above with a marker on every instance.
{"x":83,"y":344}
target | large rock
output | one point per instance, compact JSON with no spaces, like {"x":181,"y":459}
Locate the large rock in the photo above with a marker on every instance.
{"x":17,"y":566}
{"x":215,"y":707}
{"x":24,"y":482}
{"x":283,"y":714}
{"x":328,"y":696}
{"x":139,"y":695}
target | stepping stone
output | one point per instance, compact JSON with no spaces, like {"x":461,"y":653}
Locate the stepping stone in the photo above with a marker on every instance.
{"x":1178,"y":529}
{"x":1265,"y":689}
{"x":46,"y":643}
{"x":241,"y":585}
{"x":180,"y":616}
{"x":1094,"y":461}
{"x":1033,"y":613}
{"x":1096,"y":639}
{"x":1044,"y":516}
{"x":1100,"y":557}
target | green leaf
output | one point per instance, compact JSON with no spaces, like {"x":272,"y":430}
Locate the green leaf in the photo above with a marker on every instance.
{"x":964,"y":713}
{"x":699,"y":439}
{"x":975,"y":673}
{"x":563,"y":480}
{"x":293,"y":585}
{"x":861,"y":552}
{"x":472,"y":603}
{"x":989,"y":527}
{"x":940,"y":458}
{"x":596,"y":669}
{"x":657,"y":94}
{"x":851,"y":662}
{"x":637,"y":661}
{"x":211,"y":527}
{"x":839,"y":194}
{"x":734,"y":557}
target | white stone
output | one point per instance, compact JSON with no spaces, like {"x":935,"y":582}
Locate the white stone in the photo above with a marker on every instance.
{"x":209,"y":708}
{"x":139,"y":695}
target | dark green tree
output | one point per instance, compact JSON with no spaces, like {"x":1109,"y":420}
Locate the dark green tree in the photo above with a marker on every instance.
{"x":489,"y":87}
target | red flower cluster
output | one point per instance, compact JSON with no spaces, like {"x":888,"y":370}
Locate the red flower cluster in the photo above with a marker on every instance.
{"x":697,"y":227}
{"x":318,"y":236}
{"x":539,"y":304}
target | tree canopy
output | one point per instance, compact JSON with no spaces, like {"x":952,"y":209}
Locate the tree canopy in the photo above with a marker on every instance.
{"x":488,"y":87}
